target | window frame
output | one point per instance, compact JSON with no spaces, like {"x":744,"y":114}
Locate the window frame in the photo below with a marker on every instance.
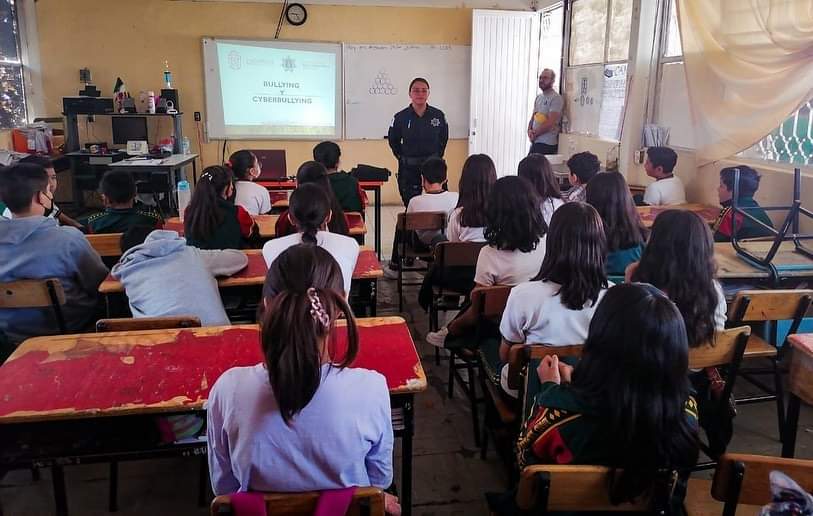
{"x":635,"y":21}
{"x":29,"y":56}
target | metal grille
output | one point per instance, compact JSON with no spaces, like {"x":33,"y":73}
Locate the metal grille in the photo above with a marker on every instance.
{"x":791,"y":142}
{"x":12,"y":96}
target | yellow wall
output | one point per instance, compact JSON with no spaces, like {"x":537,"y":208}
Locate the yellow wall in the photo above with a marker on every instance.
{"x":131,"y":40}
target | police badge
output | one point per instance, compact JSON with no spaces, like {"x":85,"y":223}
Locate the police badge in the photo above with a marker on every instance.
{"x":435,"y":122}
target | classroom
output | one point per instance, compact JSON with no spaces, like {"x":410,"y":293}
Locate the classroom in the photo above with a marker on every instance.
{"x":430,"y":257}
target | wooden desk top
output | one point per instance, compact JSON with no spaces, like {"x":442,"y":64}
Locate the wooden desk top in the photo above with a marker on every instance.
{"x":154,"y":371}
{"x":291,"y":184}
{"x":266,"y":224}
{"x":707,"y":213}
{"x":801,"y":366}
{"x":367,"y":268}
{"x":731,"y":266}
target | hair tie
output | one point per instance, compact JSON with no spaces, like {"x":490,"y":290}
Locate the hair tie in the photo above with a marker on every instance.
{"x":206,"y":175}
{"x":317,"y":310}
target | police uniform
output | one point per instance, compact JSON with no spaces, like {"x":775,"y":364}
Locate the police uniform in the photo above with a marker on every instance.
{"x":413,"y":139}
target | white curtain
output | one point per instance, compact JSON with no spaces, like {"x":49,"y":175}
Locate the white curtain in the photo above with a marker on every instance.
{"x":749,"y":65}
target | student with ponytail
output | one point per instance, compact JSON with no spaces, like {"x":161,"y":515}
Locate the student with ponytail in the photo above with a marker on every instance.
{"x":246,"y":168}
{"x":313,"y":172}
{"x":211,"y":220}
{"x":310,"y":214}
{"x":302,"y":419}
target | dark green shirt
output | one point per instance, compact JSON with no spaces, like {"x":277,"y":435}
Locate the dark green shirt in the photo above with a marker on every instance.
{"x":746,"y":228}
{"x":119,"y":220}
{"x":617,"y":261}
{"x":227,"y":235}
{"x":346,"y":188}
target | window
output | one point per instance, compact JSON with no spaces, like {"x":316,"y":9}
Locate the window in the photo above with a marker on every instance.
{"x":12,"y":101}
{"x":791,"y":142}
{"x":596,"y":78}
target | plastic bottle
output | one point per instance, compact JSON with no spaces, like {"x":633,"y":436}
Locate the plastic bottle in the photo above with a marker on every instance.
{"x":167,"y":76}
{"x":185,"y":145}
{"x":184,"y":196}
{"x":151,"y":102}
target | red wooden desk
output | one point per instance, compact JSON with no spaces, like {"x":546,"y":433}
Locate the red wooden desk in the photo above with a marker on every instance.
{"x":266,"y":224}
{"x":52,"y":379}
{"x":800,"y":387}
{"x":370,"y":186}
{"x":368,"y":270}
{"x":707,"y":213}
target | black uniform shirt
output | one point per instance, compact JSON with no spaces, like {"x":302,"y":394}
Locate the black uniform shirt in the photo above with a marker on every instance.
{"x":418,"y":136}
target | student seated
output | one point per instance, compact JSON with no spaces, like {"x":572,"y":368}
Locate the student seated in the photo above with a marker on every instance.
{"x":466,"y":224}
{"x":313,"y":172}
{"x":303,"y":419}
{"x":536,"y":169}
{"x":33,"y":246}
{"x":556,"y":306}
{"x":246,"y":168}
{"x":746,"y":228}
{"x":345,"y":187}
{"x":583,"y":166}
{"x":679,"y":260}
{"x":667,"y":189}
{"x":635,"y":346}
{"x":310,"y":214}
{"x":211,"y":220}
{"x":121,"y":212}
{"x":153,"y":259}
{"x":53,"y":211}
{"x":515,"y":234}
{"x":609,"y":194}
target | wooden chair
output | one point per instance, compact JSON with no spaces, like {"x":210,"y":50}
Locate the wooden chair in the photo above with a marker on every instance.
{"x":769,"y":306}
{"x":404,"y":226}
{"x":367,"y":501}
{"x":743,"y":481}
{"x":136,"y":324}
{"x":107,"y":245}
{"x":147,"y":323}
{"x":726,"y":350}
{"x":446,"y":255}
{"x":547,"y":488}
{"x":45,"y":293}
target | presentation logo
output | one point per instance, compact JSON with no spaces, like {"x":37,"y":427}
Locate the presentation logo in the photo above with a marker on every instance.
{"x":382,"y":85}
{"x":289,"y":64}
{"x":234,"y":60}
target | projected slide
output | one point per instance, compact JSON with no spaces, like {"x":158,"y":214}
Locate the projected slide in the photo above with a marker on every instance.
{"x":272,"y":90}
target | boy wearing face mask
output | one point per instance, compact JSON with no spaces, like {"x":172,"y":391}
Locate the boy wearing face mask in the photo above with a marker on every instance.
{"x":246,"y":168}
{"x":33,"y":246}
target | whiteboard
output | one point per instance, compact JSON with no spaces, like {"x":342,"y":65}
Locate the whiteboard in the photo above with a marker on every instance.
{"x":376,"y":85}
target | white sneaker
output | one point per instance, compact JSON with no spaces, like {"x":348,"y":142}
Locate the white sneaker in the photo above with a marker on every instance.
{"x":437,"y":338}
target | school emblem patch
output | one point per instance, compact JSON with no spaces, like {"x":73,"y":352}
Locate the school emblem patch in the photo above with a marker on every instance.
{"x":435,"y":122}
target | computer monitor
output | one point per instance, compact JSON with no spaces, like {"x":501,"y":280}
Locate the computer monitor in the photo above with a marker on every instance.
{"x":127,"y":128}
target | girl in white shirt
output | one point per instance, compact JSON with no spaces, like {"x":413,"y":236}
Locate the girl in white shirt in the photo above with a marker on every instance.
{"x":515,"y":234}
{"x":536,"y":169}
{"x":556,"y":306}
{"x":246,"y":168}
{"x":302,"y":419}
{"x":310,"y":212}
{"x":466,"y":224}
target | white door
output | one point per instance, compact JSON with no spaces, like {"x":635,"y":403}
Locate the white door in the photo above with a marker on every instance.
{"x":504,"y":64}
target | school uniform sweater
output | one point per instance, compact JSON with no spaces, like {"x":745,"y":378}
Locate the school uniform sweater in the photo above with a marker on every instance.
{"x":347,"y":191}
{"x":746,"y":228}
{"x":236,"y":224}
{"x":119,"y":220}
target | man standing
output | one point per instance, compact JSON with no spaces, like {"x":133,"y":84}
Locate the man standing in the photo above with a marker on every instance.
{"x":543,"y":129}
{"x":417,"y":133}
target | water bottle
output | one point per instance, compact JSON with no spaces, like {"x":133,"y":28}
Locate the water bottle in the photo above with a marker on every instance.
{"x":185,"y":145}
{"x":184,"y":196}
{"x":167,"y":76}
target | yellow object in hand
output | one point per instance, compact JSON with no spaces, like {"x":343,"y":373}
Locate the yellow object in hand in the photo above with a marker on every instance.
{"x":540,"y":118}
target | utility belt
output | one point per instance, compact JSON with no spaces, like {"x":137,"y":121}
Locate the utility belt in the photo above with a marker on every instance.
{"x":412,"y":161}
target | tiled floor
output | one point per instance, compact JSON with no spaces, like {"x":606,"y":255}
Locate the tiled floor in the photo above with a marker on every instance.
{"x":449,"y":476}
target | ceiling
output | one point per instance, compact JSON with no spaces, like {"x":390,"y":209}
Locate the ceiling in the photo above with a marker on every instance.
{"x":481,"y":4}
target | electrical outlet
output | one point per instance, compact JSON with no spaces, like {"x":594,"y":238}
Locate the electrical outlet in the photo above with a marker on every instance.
{"x":197,"y":116}
{"x":639,"y":156}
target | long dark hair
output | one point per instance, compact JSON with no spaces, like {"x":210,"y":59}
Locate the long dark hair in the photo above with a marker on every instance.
{"x":513,"y":218}
{"x":240,"y":163}
{"x":303,"y":297}
{"x":679,"y":259}
{"x":634,"y":372}
{"x":315,"y":172}
{"x":575,"y":253}
{"x":479,"y":175}
{"x":203,"y":215}
{"x":610,"y":196}
{"x":536,"y":169}
{"x":309,"y":206}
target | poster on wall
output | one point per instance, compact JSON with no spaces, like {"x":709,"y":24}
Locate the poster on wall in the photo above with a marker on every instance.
{"x":583,"y":95}
{"x":613,"y":95}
